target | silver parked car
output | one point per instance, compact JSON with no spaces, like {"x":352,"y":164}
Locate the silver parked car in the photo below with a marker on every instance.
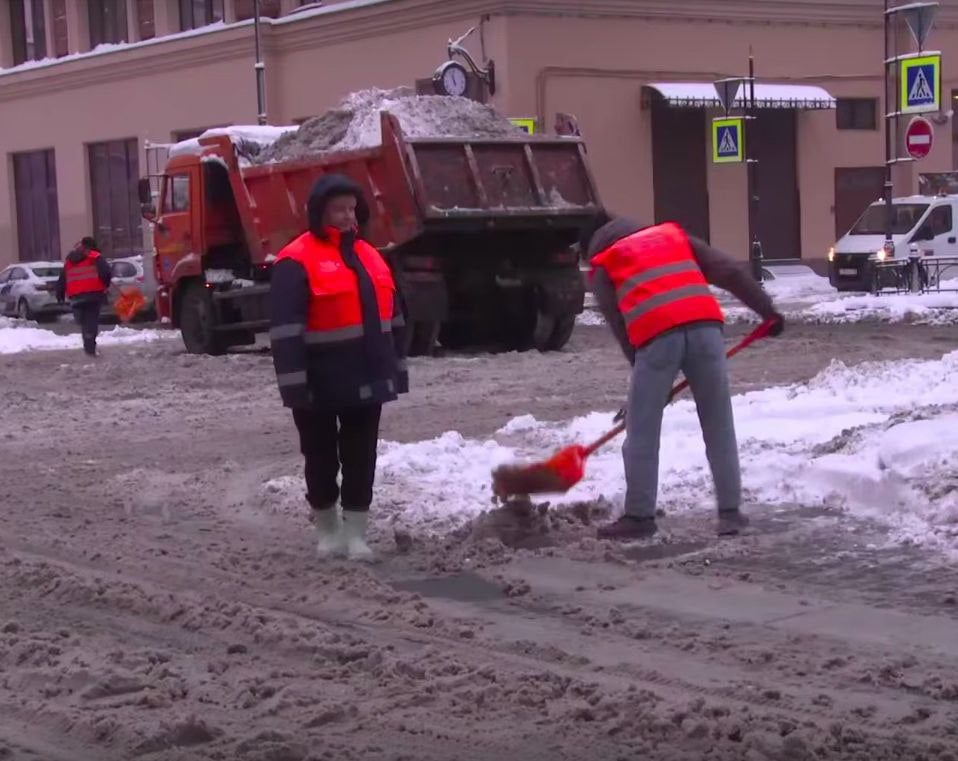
{"x":28,"y":290}
{"x":131,"y":271}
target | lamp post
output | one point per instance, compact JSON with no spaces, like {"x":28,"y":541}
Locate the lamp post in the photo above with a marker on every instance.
{"x":920,"y":18}
{"x":751,"y":164}
{"x":260,"y":68}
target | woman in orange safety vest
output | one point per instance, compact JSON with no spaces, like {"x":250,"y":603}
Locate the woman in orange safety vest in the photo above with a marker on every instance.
{"x":337,"y":337}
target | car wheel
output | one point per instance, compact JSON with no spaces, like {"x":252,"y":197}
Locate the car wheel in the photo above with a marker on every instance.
{"x":23,"y":310}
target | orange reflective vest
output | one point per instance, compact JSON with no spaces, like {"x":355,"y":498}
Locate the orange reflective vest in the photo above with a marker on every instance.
{"x":657,"y":281}
{"x":82,"y":277}
{"x":335,"y":310}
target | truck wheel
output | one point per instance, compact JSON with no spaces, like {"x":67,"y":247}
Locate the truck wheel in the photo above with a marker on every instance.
{"x":197,"y":321}
{"x":562,"y":332}
{"x":534,"y":331}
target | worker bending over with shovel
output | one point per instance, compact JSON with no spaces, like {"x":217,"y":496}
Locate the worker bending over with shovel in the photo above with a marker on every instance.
{"x":652,"y":286}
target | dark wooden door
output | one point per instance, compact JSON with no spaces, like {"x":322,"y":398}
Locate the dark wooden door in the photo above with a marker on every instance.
{"x":856,"y":188}
{"x":774,"y":144}
{"x":680,"y":168}
{"x":38,"y":213}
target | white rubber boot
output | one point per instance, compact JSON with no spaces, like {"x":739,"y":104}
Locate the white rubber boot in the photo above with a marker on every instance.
{"x":354,"y":534}
{"x":330,"y":530}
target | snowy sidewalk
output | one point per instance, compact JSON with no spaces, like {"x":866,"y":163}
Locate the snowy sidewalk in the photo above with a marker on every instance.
{"x":17,"y":336}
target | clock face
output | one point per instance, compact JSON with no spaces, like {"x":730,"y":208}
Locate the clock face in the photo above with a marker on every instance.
{"x":454,"y":81}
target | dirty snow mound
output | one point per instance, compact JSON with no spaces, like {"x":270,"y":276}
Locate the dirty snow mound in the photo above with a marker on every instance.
{"x":355,"y":123}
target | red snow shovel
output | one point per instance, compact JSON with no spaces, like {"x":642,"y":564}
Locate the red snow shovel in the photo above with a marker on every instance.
{"x":566,"y":467}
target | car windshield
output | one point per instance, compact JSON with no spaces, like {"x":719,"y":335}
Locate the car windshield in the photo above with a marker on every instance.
{"x":904,"y":217}
{"x":46,"y":271}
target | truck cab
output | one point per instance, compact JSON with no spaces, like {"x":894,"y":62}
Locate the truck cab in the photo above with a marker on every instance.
{"x":926,"y":225}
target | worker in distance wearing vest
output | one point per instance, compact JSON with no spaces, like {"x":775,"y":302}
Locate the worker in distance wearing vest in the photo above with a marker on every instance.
{"x":652,"y":286}
{"x":337,"y":336}
{"x":84,"y":280}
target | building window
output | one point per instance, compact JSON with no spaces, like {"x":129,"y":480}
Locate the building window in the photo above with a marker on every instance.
{"x":27,"y":30}
{"x":107,"y":22}
{"x":114,"y":172}
{"x":197,"y":13}
{"x":857,"y":113}
{"x":267,"y":9}
{"x":61,"y":39}
{"x":38,"y":214}
{"x":145,"y":20}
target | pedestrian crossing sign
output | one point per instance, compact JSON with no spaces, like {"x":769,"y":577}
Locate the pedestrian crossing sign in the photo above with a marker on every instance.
{"x":921,"y":84}
{"x":728,"y":140}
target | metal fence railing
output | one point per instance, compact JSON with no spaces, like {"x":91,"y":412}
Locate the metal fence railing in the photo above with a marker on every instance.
{"x":915,"y":275}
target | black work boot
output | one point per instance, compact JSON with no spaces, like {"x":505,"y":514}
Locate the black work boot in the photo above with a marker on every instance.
{"x":731,"y":522}
{"x":628,"y":528}
{"x":89,"y":346}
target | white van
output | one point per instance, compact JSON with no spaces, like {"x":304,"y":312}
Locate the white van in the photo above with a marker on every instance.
{"x":929,"y":222}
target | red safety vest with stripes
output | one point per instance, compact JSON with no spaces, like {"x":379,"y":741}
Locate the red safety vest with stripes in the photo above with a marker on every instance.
{"x":335,"y":310}
{"x":658,"y":283}
{"x":82,"y":276}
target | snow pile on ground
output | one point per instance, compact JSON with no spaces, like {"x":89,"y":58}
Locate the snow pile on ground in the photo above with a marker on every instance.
{"x":811,"y":298}
{"x":355,"y":123}
{"x":590,"y":318}
{"x":17,"y":336}
{"x":867,"y":439}
{"x":925,"y":308}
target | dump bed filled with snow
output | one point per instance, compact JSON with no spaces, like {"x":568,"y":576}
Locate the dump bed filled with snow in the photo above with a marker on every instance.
{"x":356,"y":123}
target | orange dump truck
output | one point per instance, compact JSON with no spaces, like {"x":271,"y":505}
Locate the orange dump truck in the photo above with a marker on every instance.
{"x":479,"y":233}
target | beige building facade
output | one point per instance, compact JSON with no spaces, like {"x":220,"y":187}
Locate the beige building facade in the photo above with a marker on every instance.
{"x":86,"y":84}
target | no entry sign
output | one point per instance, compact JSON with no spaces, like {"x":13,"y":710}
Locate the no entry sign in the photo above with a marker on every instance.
{"x":919,"y":137}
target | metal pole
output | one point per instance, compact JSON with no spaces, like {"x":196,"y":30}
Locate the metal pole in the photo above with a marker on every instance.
{"x":755,"y":245}
{"x":260,"y":68}
{"x":889,"y":110}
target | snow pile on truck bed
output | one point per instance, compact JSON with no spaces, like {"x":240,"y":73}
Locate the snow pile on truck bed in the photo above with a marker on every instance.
{"x":250,"y":140}
{"x":355,"y":123}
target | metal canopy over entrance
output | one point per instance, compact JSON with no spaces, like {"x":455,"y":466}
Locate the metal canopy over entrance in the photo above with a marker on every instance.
{"x":703,"y":95}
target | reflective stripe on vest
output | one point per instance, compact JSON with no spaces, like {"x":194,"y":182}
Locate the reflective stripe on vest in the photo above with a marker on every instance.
{"x":82,"y":277}
{"x":342,"y":334}
{"x":658,"y":283}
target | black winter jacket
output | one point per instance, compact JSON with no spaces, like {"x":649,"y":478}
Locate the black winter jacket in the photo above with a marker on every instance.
{"x":366,"y":370}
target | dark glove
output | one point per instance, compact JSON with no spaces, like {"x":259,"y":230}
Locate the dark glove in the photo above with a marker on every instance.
{"x":778,"y":325}
{"x":619,"y":416}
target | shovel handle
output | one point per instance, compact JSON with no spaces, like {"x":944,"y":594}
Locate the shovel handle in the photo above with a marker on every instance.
{"x":760,"y":332}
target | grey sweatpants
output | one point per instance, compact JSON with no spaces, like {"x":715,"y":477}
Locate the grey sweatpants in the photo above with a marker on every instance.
{"x":699,"y":352}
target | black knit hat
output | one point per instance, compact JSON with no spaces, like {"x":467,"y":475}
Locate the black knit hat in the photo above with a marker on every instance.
{"x":327,"y":187}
